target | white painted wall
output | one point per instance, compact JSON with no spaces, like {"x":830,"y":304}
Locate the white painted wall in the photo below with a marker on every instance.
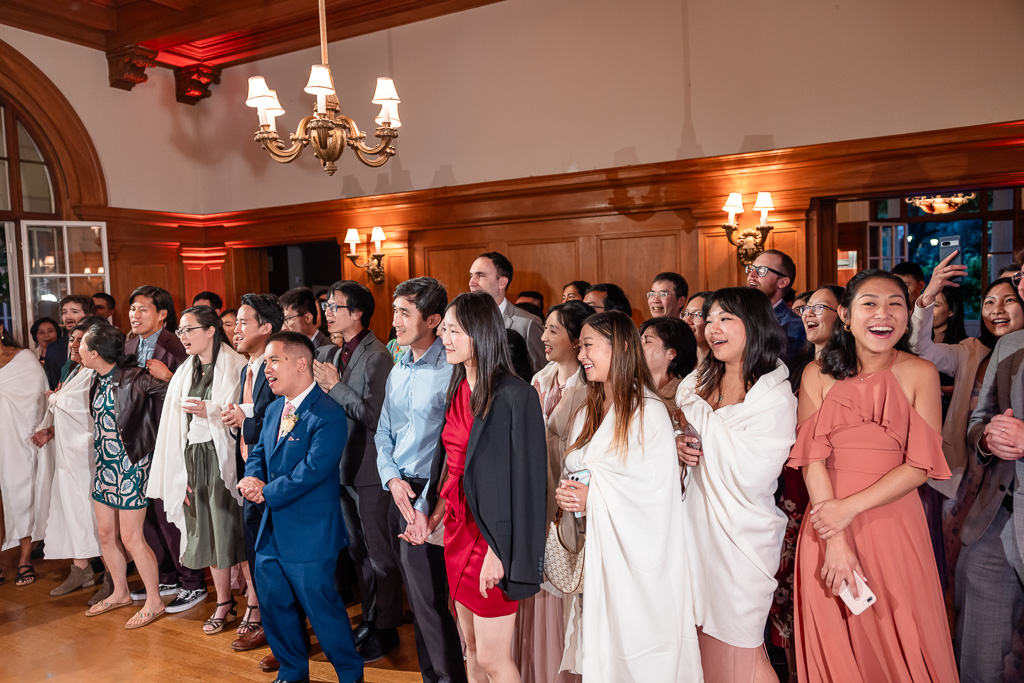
{"x":534,"y":87}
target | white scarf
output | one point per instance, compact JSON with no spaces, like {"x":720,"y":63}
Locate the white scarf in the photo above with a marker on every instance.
{"x":168,"y":479}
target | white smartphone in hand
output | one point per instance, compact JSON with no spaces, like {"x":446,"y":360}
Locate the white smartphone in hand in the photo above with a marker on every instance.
{"x":866,"y":599}
{"x":583,"y":477}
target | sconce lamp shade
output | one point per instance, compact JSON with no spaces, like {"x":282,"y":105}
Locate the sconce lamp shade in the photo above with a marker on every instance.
{"x":377,"y":235}
{"x":764,"y":202}
{"x":385,"y":92}
{"x":352,"y":237}
{"x":734,"y":204}
{"x":389,"y":113}
{"x":259,"y":93}
{"x":320,"y":81}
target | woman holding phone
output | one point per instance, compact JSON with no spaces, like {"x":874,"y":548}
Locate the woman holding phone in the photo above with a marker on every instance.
{"x":490,"y":469}
{"x":870,"y":414}
{"x":622,"y":443}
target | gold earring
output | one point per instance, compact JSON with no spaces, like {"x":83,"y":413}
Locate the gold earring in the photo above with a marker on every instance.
{"x":846,"y":327}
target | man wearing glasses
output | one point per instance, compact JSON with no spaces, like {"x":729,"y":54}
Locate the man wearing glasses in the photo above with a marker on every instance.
{"x":773,"y":273}
{"x":300,"y":315}
{"x":668,"y":295}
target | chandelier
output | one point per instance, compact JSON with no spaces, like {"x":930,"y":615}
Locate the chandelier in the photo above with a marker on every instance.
{"x":327,"y":130}
{"x":940,"y":204}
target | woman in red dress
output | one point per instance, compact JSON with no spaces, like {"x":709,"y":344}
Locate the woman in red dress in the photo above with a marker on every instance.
{"x":493,"y":444}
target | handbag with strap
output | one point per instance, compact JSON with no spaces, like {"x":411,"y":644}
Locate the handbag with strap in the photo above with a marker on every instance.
{"x":563,"y":567}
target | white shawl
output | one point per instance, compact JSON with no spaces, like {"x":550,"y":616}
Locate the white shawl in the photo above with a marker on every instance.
{"x":637,"y":622}
{"x":167,"y":476}
{"x":733,"y":526}
{"x":24,"y":476}
{"x":71,"y":527}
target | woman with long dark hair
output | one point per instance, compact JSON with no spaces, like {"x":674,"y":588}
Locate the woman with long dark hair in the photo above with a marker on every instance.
{"x":869,"y":436}
{"x":741,"y":405}
{"x":194,"y":469}
{"x":540,"y":626}
{"x":670,"y":349}
{"x":123,"y":401}
{"x":22,"y":403}
{"x":490,"y":471}
{"x":637,"y":624}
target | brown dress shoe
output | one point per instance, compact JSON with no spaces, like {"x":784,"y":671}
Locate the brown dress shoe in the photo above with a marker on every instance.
{"x":270,"y":663}
{"x":250,"y":641}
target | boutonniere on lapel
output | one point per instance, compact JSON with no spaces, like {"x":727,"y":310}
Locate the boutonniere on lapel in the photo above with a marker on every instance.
{"x":288,"y":423}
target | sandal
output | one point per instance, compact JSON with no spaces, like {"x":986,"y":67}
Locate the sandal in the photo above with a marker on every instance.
{"x":146,"y":617}
{"x":26,"y":576}
{"x":105,"y":606}
{"x":216,"y":623}
{"x":249,"y":625}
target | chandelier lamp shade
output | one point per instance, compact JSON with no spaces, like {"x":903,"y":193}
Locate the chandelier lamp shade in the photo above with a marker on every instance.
{"x":327,"y":130}
{"x":751,"y":241}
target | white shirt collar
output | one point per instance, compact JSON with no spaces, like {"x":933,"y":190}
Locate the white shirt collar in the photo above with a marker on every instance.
{"x":503,"y":306}
{"x":297,"y":401}
{"x":257,"y":362}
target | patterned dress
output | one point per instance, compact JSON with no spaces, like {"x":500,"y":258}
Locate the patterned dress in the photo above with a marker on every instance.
{"x":118,"y":483}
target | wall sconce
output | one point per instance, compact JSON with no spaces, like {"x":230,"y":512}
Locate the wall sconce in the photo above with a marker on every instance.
{"x":749,"y":242}
{"x":375,"y":262}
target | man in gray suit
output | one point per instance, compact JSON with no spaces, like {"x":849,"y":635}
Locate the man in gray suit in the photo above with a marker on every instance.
{"x":355,"y":375}
{"x":492,"y":273}
{"x":989,"y":597}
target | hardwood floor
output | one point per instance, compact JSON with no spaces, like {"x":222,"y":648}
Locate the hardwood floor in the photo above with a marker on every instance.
{"x":51,"y":639}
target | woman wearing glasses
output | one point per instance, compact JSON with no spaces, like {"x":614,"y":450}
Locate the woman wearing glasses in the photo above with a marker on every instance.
{"x":124,"y":400}
{"x":693,"y":315}
{"x":819,"y":314}
{"x":194,"y":469}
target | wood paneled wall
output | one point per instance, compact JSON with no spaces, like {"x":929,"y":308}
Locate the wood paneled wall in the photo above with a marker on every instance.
{"x":619,"y":225}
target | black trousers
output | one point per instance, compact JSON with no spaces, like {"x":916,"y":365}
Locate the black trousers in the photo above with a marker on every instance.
{"x":365,"y":510}
{"x":438,"y":647}
{"x":165,"y":541}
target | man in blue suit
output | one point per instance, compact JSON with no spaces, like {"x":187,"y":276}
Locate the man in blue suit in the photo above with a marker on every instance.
{"x":294,"y":471}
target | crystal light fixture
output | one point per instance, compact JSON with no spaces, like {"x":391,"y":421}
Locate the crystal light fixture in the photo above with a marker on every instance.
{"x":939,"y":204}
{"x":327,"y":130}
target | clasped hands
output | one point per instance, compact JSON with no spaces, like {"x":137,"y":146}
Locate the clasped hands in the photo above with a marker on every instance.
{"x":830,"y":517}
{"x":251,"y":489}
{"x":418,"y":526}
{"x":1003,"y":436}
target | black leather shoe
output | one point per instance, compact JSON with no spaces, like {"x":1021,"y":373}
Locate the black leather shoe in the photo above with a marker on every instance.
{"x":362,"y":633}
{"x":379,"y":644}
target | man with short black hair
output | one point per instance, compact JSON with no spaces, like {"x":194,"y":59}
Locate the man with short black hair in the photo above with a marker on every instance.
{"x":292,"y":470}
{"x":773,"y":272}
{"x":300,"y":315}
{"x":532,"y":298}
{"x":604,"y":296}
{"x":668,"y":295}
{"x":913,"y":277}
{"x":211,"y":299}
{"x":492,"y":273}
{"x":407,"y":435}
{"x":355,"y":375}
{"x":105,"y":306}
{"x":259,"y":317}
{"x":73,"y":308}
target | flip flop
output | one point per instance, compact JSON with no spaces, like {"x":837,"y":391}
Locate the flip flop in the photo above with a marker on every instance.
{"x":147,"y":618}
{"x":105,"y":606}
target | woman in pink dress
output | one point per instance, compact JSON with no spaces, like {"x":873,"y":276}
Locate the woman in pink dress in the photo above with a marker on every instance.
{"x":869,"y":436}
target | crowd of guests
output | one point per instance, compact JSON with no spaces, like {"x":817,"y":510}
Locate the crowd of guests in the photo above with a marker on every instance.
{"x":749,"y":465}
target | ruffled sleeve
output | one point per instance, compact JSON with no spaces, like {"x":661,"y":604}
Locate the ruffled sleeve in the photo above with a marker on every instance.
{"x":809,"y":446}
{"x":924,"y":448}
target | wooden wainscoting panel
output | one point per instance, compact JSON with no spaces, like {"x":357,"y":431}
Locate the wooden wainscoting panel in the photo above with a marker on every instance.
{"x":543,"y":266}
{"x":631,"y":261}
{"x":719,"y":263}
{"x":450,"y":265}
{"x":245,"y":272}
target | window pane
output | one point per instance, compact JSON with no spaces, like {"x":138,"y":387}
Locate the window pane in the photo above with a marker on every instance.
{"x":924,"y":251}
{"x":87,"y":285}
{"x":85,"y":249}
{"x":45,"y":249}
{"x":6,"y":304}
{"x":1000,"y":236}
{"x":45,"y":293}
{"x":3,"y":134}
{"x":1000,"y":200}
{"x":997,"y":261}
{"x":27,"y":149}
{"x":5,"y":186}
{"x":36,"y":191}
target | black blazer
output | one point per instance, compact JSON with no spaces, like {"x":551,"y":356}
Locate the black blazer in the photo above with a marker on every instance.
{"x":55,"y":358}
{"x":506,"y":483}
{"x":262,"y":397}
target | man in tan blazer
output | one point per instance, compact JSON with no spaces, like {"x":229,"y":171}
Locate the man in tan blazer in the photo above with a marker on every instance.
{"x":492,"y":273}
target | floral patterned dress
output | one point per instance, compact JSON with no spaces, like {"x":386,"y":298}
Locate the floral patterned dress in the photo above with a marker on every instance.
{"x":118,"y":483}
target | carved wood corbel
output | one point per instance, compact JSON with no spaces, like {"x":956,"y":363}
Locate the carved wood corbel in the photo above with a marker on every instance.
{"x":192,"y":83}
{"x":126,"y":67}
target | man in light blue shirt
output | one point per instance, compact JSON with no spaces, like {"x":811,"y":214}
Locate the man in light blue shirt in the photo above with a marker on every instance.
{"x":408,"y":431}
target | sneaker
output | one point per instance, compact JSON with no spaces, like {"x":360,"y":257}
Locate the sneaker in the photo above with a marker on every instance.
{"x":165,"y":590}
{"x":186,"y":600}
